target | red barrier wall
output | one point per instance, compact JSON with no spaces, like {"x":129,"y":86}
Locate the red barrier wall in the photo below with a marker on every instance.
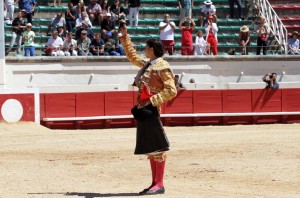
{"x":198,"y":101}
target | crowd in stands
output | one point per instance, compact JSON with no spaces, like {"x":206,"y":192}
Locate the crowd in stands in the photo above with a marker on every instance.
{"x":71,"y":34}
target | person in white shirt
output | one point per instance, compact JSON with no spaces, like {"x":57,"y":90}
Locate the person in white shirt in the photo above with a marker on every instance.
{"x":55,"y":44}
{"x":10,"y":8}
{"x":28,"y":37}
{"x":81,"y":19}
{"x":167,"y":28}
{"x":207,"y":10}
{"x":200,"y":44}
{"x":70,"y":45}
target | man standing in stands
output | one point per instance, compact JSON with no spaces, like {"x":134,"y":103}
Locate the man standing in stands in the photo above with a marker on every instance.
{"x":270,"y":79}
{"x":155,"y":81}
{"x":134,"y":8}
{"x":29,"y":6}
{"x":231,"y":8}
{"x":167,"y":28}
{"x":70,"y":16}
{"x":185,"y":7}
{"x":207,"y":10}
{"x":18,"y":26}
{"x":187,"y":36}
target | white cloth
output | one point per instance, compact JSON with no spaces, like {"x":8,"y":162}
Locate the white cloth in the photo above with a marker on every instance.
{"x":9,"y":2}
{"x":200,"y":45}
{"x":214,"y":30}
{"x":134,"y":12}
{"x":210,"y":10}
{"x":168,"y":32}
{"x":10,"y":9}
{"x":68,"y":44}
{"x":55,"y":43}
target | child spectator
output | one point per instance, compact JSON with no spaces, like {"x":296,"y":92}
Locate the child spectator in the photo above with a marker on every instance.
{"x":200,"y":44}
{"x":244,"y":39}
{"x":294,"y":44}
{"x":94,"y":11}
{"x":28,"y":37}
{"x":83,"y":44}
{"x":70,"y":45}
{"x":187,"y":36}
{"x":55,"y":45}
{"x":97,"y":45}
{"x":185,"y":7}
{"x":167,"y":28}
{"x":211,"y":30}
{"x":70,"y":16}
{"x":207,"y":10}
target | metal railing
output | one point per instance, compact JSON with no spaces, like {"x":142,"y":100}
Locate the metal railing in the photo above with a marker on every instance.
{"x":276,"y":26}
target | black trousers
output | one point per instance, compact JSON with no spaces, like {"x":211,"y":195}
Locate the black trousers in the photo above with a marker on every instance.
{"x":231,"y":7}
{"x":261,"y":44}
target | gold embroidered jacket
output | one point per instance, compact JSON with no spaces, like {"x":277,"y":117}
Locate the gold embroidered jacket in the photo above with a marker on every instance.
{"x":158,"y":78}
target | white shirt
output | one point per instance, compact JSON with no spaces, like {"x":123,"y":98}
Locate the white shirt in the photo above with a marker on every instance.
{"x":79,"y":22}
{"x":55,"y":43}
{"x":168,"y":32}
{"x":9,"y":2}
{"x":68,"y":43}
{"x":210,"y":10}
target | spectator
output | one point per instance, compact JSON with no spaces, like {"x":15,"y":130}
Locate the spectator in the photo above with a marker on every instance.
{"x":70,"y":16}
{"x":211,"y":30}
{"x":97,"y":45}
{"x":187,"y":36}
{"x":79,"y":9}
{"x":94,"y":11}
{"x":18,"y":26}
{"x":117,"y":12}
{"x":231,"y":8}
{"x":104,"y":11}
{"x":10,"y":8}
{"x":108,"y":25}
{"x":58,"y":19}
{"x":167,"y":28}
{"x":270,"y":79}
{"x":262,"y":36}
{"x":244,"y":39}
{"x":178,"y":83}
{"x":110,"y":45}
{"x":294,"y":44}
{"x":28,"y":6}
{"x":61,"y":32}
{"x":55,"y":45}
{"x":134,"y":7}
{"x":56,"y":3}
{"x":207,"y":10}
{"x":185,"y":7}
{"x":84,"y":26}
{"x":28,"y":38}
{"x":70,"y":45}
{"x":200,"y":44}
{"x":83,"y":44}
{"x":81,"y":19}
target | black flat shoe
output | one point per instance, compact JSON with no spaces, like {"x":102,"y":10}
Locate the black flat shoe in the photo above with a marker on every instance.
{"x":156,"y":192}
{"x":144,"y":192}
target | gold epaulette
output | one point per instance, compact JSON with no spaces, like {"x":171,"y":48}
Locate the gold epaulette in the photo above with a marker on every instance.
{"x":161,"y":65}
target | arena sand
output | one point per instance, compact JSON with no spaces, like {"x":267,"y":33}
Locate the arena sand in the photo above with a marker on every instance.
{"x":211,"y":161}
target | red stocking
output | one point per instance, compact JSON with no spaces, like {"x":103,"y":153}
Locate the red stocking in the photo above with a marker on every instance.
{"x":153,"y":170}
{"x":159,"y":176}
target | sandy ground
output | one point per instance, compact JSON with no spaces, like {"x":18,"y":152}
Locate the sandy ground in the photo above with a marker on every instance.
{"x":222,"y":161}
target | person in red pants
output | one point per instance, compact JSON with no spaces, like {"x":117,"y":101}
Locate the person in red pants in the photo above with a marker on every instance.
{"x":156,"y":85}
{"x":187,"y":36}
{"x":211,"y":30}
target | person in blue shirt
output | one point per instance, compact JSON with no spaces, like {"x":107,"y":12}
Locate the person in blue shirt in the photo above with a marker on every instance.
{"x":28,"y":6}
{"x":270,"y":79}
{"x":294,"y":44}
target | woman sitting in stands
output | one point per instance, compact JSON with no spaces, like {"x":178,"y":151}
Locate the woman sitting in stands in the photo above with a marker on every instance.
{"x":294,"y":44}
{"x":244,"y":39}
